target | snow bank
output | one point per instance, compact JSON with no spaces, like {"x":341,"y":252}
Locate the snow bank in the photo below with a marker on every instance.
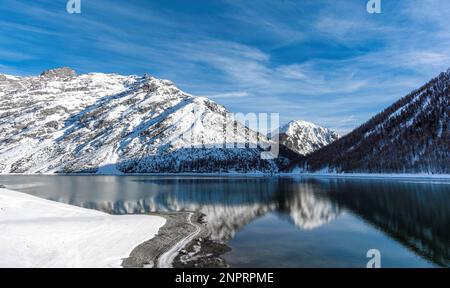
{"x":41,"y":233}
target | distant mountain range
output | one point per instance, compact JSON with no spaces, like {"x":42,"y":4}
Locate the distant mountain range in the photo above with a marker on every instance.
{"x":61,"y":122}
{"x":305,"y":137}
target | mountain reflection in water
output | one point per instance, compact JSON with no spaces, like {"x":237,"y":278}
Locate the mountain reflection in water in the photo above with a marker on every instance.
{"x":414,"y":214}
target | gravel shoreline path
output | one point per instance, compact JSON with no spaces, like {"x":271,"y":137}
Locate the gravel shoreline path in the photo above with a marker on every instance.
{"x":166,"y":259}
{"x":183,"y":242}
{"x":176,"y":229}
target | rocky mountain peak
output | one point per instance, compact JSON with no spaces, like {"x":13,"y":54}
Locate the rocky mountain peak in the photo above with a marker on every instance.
{"x":63,"y":72}
{"x":294,"y":125}
{"x":305,"y":137}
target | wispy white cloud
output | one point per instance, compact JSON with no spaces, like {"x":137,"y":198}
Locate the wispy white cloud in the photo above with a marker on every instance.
{"x":233,"y":95}
{"x":14,"y":55}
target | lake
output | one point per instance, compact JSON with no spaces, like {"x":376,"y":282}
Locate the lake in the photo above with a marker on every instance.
{"x":281,"y":221}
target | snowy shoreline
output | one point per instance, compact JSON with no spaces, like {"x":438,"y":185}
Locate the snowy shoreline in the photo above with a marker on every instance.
{"x":42,"y":233}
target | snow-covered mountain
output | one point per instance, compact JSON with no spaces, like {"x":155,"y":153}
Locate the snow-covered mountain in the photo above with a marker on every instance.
{"x":61,"y":122}
{"x":410,"y":136}
{"x":305,"y":137}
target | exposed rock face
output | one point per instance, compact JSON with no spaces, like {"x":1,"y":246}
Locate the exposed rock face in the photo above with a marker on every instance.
{"x":64,"y":72}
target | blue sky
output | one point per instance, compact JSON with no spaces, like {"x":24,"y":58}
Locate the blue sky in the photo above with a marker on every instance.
{"x":328,"y":62}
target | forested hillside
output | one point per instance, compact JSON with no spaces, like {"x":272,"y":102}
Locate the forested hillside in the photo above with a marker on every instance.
{"x":410,"y":136}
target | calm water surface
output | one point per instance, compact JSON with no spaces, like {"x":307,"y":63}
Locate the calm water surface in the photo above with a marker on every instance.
{"x":281,"y":221}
